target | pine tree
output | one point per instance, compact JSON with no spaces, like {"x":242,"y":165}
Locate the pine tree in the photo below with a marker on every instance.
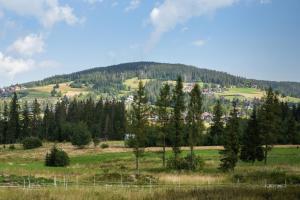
{"x":251,"y":142}
{"x":216,"y":132}
{"x":229,"y":156}
{"x":48,"y":124}
{"x":36,"y":119}
{"x":269,"y":121}
{"x":13,"y":132}
{"x":195,"y":123}
{"x":26,"y":121}
{"x":163,"y":104}
{"x":139,"y":121}
{"x":4,"y":122}
{"x":177,"y":117}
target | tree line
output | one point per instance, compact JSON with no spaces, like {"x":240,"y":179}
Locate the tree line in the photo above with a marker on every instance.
{"x":100,"y":119}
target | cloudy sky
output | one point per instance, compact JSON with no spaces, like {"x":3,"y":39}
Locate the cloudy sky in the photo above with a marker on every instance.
{"x":251,"y":38}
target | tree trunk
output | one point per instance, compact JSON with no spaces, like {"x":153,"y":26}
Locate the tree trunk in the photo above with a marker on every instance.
{"x":164,"y":153}
{"x":266,"y":154}
{"x":137,"y":160}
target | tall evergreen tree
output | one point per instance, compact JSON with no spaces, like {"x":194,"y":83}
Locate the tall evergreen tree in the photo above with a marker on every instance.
{"x":251,"y":142}
{"x":36,"y":119}
{"x":230,"y":154}
{"x":13,"y":132}
{"x":26,"y":121}
{"x":216,"y":132}
{"x":48,"y":124}
{"x":177,"y":118}
{"x":269,"y":121}
{"x":139,"y":121}
{"x":163,"y":105}
{"x":195,"y":123}
{"x":5,"y":118}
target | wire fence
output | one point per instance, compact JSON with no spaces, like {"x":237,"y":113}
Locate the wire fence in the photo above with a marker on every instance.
{"x":68,"y":182}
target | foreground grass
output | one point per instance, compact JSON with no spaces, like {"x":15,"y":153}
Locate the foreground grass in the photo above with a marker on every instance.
{"x":241,"y":193}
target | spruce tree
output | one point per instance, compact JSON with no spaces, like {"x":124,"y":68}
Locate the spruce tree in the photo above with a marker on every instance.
{"x":13,"y":132}
{"x":26,"y":121}
{"x":177,"y":117}
{"x":138,"y":121}
{"x":194,"y":121}
{"x":163,"y":105}
{"x":252,"y":149}
{"x":5,"y":119}
{"x":36,"y":119}
{"x":216,"y":132}
{"x":269,"y":121}
{"x":230,"y":154}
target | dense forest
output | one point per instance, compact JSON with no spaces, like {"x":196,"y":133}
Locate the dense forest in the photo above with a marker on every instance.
{"x":101,"y":119}
{"x":111,"y":79}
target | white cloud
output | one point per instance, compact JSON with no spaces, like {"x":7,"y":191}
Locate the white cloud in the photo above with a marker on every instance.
{"x":133,"y":4}
{"x":1,"y":14}
{"x":28,"y":46}
{"x":173,"y":12}
{"x":199,"y":43}
{"x":48,"y":12}
{"x":12,"y":66}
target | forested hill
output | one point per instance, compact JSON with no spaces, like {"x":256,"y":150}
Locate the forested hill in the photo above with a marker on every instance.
{"x":111,"y":78}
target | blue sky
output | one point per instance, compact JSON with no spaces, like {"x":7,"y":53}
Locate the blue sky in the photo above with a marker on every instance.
{"x":251,"y":38}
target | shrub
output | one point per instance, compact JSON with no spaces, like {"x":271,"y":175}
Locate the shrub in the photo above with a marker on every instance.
{"x":104,"y":145}
{"x":96,"y":141}
{"x":11,"y":147}
{"x":185,"y":163}
{"x":31,"y":143}
{"x":57,"y":158}
{"x":81,"y":135}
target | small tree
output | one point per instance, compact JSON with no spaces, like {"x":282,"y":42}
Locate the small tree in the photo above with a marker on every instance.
{"x":231,"y":142}
{"x":251,"y":142}
{"x":57,"y":158}
{"x":139,"y":121}
{"x":81,"y":135}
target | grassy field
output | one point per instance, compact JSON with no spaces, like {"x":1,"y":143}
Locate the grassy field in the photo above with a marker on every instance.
{"x":115,"y":165}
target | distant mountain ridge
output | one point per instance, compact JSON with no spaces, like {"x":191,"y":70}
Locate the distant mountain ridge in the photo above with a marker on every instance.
{"x":111,"y":78}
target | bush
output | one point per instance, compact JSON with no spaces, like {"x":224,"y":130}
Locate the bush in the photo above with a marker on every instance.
{"x":31,"y":143}
{"x":104,"y":145}
{"x":81,"y":135}
{"x":96,"y":141}
{"x":57,"y":158}
{"x":12,"y":147}
{"x":185,"y":163}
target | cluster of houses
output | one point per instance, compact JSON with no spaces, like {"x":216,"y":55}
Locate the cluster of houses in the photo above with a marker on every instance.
{"x":7,"y":91}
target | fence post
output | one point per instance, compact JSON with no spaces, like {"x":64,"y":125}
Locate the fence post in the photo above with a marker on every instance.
{"x":24,"y":183}
{"x":94,"y":181}
{"x":54,"y":181}
{"x":77,"y":181}
{"x":65,"y":181}
{"x":121,"y":180}
{"x":29,"y":186}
